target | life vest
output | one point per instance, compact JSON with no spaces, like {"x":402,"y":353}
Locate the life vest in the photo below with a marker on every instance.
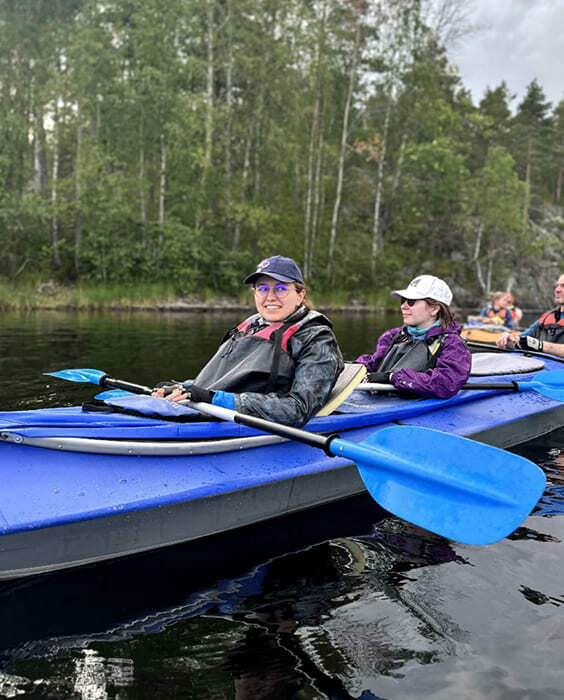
{"x":407,"y":353}
{"x":256,"y":356}
{"x":551,"y":326}
{"x":504,"y":315}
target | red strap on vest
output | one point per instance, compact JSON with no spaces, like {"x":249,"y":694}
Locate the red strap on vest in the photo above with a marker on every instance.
{"x":549,"y":318}
{"x":288,"y":333}
{"x":268,"y":331}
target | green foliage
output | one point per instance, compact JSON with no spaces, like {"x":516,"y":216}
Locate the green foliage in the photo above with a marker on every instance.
{"x":500,"y":195}
{"x":177,"y":143}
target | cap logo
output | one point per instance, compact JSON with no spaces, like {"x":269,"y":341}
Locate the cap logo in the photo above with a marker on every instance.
{"x":262,"y":264}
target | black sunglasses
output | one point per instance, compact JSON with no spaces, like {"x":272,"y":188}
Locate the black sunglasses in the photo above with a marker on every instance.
{"x":409,"y":302}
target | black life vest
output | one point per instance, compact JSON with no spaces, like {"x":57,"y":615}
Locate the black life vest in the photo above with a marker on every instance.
{"x":256,"y":356}
{"x":551,"y":327}
{"x":407,"y":353}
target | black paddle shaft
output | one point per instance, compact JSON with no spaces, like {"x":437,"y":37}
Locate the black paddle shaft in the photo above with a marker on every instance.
{"x":508,"y":386}
{"x":286,"y":431}
{"x":493,"y":348}
{"x":321,"y":441}
{"x":126,"y":386}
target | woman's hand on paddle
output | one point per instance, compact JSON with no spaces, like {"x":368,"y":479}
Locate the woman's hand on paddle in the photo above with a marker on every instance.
{"x":176,"y":394}
{"x":164,"y":390}
{"x":378,"y":377}
{"x":172,"y":391}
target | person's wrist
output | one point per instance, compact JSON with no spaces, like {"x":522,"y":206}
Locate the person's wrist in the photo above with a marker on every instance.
{"x":378,"y":377}
{"x":198,"y":394}
{"x":528,"y":342}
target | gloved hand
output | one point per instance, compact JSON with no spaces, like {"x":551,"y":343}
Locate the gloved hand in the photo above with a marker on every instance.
{"x":527,"y":342}
{"x":378,"y":377}
{"x":196,"y":393}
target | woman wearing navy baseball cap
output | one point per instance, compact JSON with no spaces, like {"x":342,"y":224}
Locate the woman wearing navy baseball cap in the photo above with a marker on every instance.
{"x":282,"y":362}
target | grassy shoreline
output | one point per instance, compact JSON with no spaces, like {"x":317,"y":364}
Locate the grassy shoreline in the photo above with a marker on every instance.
{"x":160,"y":297}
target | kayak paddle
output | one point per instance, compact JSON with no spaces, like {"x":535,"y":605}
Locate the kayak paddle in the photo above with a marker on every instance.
{"x":96,"y":376}
{"x":549,"y":382}
{"x":460,"y":489}
{"x":493,"y":348}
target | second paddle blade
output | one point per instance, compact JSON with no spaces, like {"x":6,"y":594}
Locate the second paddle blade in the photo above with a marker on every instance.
{"x":455,"y":487}
{"x":92,"y":376}
{"x":548,"y":383}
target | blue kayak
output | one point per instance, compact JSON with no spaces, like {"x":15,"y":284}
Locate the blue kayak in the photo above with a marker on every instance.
{"x":91,"y":485}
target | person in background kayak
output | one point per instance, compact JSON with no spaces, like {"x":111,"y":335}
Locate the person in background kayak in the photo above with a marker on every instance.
{"x":426,"y":356}
{"x":546,"y":334}
{"x":497,"y":310}
{"x":280,"y":363}
{"x":516,"y":312}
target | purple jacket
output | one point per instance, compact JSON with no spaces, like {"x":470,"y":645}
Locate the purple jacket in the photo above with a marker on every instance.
{"x":449,"y":374}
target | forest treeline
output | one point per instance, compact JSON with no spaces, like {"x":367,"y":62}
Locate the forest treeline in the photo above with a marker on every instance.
{"x":144,"y":140}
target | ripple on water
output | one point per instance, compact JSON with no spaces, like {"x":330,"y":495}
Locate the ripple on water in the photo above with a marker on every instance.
{"x":548,"y":453}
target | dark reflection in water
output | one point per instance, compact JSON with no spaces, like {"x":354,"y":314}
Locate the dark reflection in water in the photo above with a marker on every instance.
{"x":335,"y":603}
{"x":245,"y":632}
{"x":552,"y":462}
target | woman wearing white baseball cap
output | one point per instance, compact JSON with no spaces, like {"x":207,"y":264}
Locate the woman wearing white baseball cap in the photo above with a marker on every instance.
{"x":426,"y":355}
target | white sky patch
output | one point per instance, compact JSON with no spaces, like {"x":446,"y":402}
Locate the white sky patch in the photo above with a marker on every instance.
{"x":519,"y":40}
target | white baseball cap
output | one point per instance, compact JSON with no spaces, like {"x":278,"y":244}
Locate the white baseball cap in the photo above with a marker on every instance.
{"x":426,"y":287}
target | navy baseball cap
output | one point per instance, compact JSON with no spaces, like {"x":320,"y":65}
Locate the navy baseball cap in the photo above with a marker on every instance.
{"x":280,"y":268}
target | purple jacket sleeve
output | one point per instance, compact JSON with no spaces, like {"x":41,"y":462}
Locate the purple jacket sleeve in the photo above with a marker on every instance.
{"x":371,"y":362}
{"x":445,"y":380}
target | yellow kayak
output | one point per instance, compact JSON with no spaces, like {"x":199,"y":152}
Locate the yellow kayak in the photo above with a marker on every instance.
{"x":485,"y":334}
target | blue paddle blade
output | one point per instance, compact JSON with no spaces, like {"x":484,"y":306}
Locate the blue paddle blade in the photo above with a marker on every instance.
{"x":113,"y":394}
{"x":548,"y":383}
{"x":458,"y":488}
{"x":93,"y":376}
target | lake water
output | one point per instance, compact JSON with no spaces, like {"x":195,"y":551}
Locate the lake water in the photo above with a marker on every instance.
{"x":335,"y":603}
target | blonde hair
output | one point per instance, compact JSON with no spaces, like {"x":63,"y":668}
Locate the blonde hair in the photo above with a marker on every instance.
{"x":496,"y":296}
{"x":299,"y":287}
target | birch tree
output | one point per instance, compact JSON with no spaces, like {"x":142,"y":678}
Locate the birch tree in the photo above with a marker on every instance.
{"x":498,"y":197}
{"x":356,"y":11}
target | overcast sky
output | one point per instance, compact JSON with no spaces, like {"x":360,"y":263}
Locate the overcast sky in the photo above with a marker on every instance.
{"x":520,"y":40}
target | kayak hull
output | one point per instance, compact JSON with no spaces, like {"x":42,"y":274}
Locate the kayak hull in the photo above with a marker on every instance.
{"x":91,"y":540}
{"x":485,"y":333}
{"x":73,"y":503}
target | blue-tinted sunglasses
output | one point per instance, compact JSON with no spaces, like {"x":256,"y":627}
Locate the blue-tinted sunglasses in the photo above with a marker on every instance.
{"x":280,"y":289}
